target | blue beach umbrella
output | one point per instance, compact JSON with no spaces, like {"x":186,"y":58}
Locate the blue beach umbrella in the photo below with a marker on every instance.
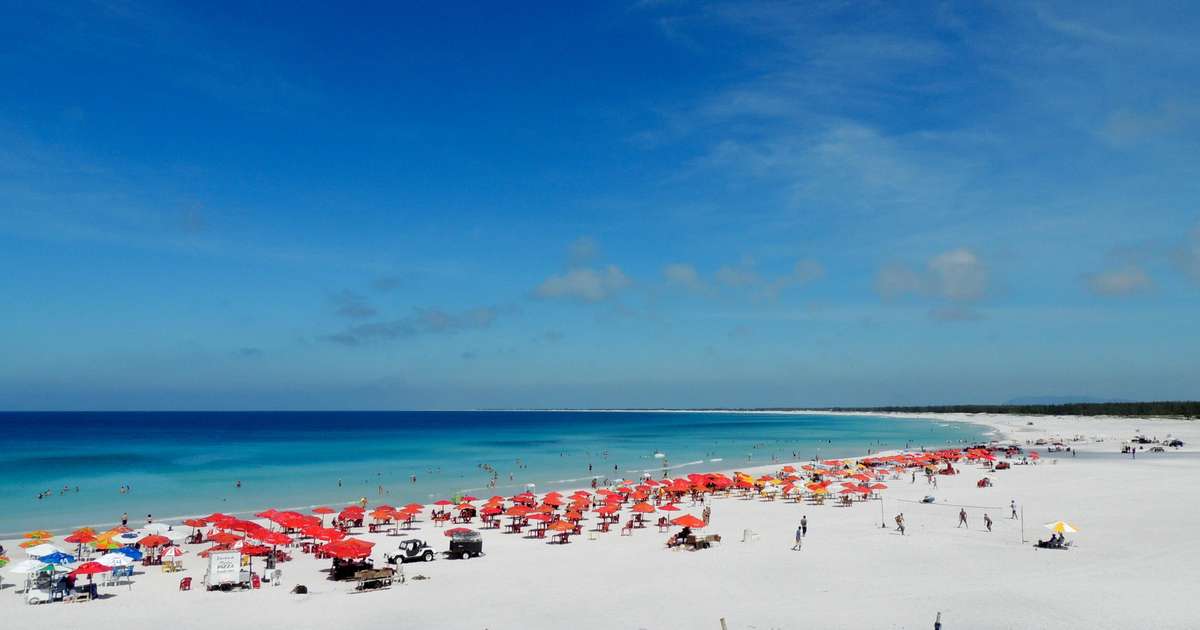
{"x":133,"y":554}
{"x":57,"y":557}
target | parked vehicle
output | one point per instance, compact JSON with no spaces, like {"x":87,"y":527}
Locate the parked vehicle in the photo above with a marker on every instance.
{"x":412,"y":550}
{"x":466,"y":545}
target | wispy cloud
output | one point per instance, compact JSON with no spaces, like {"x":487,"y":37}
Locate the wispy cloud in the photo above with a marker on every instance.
{"x":584,"y":284}
{"x":1126,"y":280}
{"x":352,"y":305}
{"x":423,"y":321}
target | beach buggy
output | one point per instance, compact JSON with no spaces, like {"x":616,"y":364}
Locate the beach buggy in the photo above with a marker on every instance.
{"x":412,"y":550}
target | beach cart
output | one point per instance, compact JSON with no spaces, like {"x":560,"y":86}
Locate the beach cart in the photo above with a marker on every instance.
{"x":466,"y":545}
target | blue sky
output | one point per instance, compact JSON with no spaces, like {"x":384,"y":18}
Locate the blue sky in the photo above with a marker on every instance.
{"x":748,"y":203}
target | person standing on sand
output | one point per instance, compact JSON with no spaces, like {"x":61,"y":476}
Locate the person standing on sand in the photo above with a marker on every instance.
{"x":1013,"y":504}
{"x":962,"y":519}
{"x":124,"y":519}
{"x":799,"y":539}
{"x":804,"y":525}
{"x":987,"y":521}
{"x":900,"y":523}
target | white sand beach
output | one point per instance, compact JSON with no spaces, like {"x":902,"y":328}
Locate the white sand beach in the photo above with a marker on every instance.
{"x":1133,"y":562}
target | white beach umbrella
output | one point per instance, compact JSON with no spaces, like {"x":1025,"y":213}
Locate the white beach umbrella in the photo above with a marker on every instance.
{"x":130,"y":537}
{"x":29,"y":565}
{"x":173,"y":552}
{"x":43,"y":549}
{"x":1061,"y":527}
{"x":115,"y":560}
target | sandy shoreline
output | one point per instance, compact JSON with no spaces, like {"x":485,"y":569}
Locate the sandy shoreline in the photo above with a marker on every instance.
{"x":1132,"y":567}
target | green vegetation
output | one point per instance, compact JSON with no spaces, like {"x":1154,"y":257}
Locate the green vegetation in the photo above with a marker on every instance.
{"x":1174,"y":408}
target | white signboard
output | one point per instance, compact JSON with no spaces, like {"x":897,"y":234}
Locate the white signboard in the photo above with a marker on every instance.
{"x":224,"y":567}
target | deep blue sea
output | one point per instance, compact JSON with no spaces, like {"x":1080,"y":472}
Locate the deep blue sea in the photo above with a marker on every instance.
{"x":188,"y":463}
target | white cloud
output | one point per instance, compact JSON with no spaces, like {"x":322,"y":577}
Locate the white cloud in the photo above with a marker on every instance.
{"x":954,"y":279}
{"x":585,"y":283}
{"x":959,"y":275}
{"x":685,"y":276}
{"x":1122,"y":281}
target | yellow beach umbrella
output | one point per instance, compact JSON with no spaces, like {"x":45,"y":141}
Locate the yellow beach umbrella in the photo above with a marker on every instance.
{"x":106,"y":544}
{"x":1061,"y":527}
{"x":38,"y":533}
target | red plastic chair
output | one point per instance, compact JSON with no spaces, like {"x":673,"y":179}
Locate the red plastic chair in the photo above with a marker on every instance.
{"x":255,"y":581}
{"x":185,"y":584}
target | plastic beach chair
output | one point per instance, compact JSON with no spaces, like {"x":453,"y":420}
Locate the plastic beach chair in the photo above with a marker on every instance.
{"x":185,"y":584}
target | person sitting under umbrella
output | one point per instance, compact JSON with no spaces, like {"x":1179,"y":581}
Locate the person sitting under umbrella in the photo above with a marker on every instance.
{"x":681,"y":537}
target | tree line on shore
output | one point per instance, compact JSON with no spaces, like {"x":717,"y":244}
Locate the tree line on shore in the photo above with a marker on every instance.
{"x":1175,"y":408}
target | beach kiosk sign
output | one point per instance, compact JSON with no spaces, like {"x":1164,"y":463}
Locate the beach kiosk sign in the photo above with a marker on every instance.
{"x":224,"y":569}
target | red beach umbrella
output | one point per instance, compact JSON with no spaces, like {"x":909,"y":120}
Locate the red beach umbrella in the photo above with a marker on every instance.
{"x":670,"y":507}
{"x":90,"y":568}
{"x":154,"y":540}
{"x":687,"y":520}
{"x":224,"y":538}
{"x":643,"y":508}
{"x":348,"y":549}
{"x":517,"y":510}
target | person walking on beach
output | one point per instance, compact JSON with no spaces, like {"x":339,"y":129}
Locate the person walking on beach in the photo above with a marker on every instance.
{"x":962,"y":519}
{"x":987,"y":521}
{"x":799,"y":539}
{"x":900,"y":523}
{"x":804,"y":525}
{"x":124,"y":519}
{"x":1013,"y":504}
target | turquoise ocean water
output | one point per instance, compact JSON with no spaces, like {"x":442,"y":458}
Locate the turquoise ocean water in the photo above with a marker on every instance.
{"x":180,"y":464}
